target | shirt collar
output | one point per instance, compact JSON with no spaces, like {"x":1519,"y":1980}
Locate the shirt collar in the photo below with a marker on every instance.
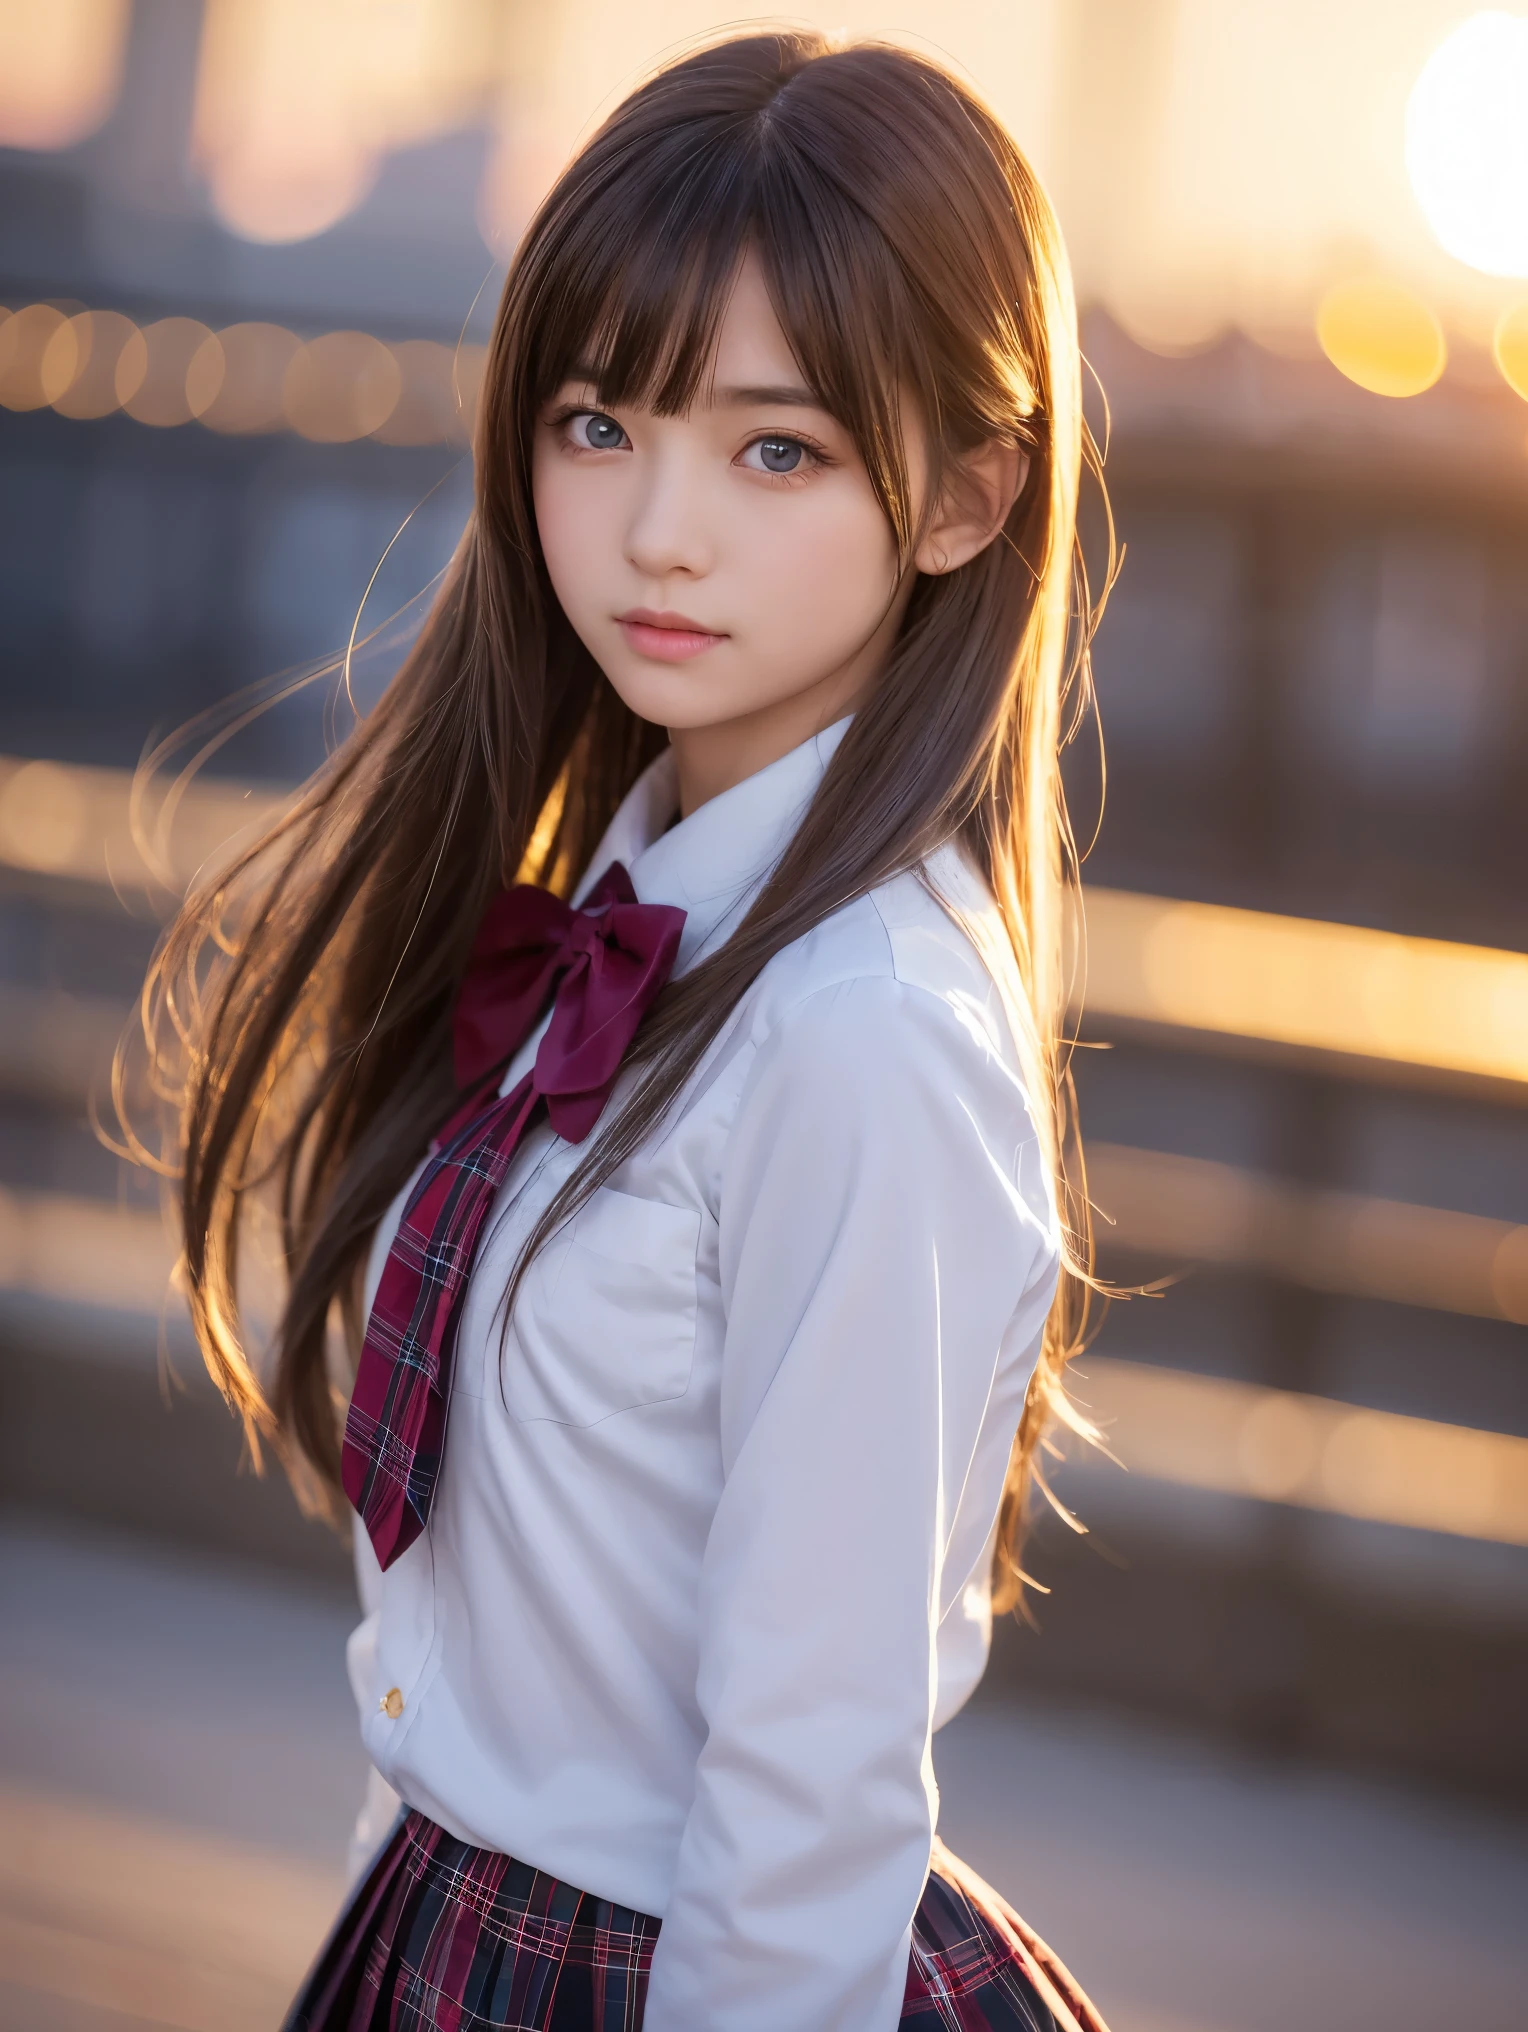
{"x":713,"y":863}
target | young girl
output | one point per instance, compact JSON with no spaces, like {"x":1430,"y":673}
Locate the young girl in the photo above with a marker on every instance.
{"x":694,"y":1211}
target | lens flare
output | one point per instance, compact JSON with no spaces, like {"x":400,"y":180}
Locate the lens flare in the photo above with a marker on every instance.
{"x":1467,"y":142}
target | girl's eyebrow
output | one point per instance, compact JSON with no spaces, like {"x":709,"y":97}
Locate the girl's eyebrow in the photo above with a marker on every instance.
{"x":790,"y":394}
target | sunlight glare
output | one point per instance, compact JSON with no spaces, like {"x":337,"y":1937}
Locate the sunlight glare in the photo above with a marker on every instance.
{"x":1467,"y":142}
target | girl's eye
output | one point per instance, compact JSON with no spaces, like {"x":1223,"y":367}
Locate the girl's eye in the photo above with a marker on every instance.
{"x":592,"y":431}
{"x":776,"y":455}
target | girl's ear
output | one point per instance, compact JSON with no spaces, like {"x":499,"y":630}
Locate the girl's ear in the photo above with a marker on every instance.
{"x":973,"y":507}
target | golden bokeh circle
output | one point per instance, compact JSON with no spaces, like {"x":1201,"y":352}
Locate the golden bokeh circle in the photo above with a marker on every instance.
{"x":1510,"y":348}
{"x":91,"y":391}
{"x":152,"y":374}
{"x":1382,"y":336}
{"x":255,"y":359}
{"x":25,"y":337}
{"x":341,"y":387}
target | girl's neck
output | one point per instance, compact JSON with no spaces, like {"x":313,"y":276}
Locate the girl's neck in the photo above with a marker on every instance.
{"x":711,"y":759}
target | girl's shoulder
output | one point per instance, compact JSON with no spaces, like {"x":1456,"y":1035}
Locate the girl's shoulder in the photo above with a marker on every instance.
{"x":883,"y":1030}
{"x":888,"y":1025}
{"x":918,"y":953}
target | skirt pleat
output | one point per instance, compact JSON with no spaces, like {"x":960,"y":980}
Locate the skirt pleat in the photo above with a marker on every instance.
{"x":444,"y":1937}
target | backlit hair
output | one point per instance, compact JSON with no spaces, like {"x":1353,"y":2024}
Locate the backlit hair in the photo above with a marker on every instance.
{"x":301,"y":1008}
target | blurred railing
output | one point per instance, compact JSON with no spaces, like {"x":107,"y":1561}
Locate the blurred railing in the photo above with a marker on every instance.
{"x":1272,"y":982}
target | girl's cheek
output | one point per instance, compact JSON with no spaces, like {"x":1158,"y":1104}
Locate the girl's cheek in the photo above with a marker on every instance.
{"x":846,"y":553}
{"x":569,"y":532}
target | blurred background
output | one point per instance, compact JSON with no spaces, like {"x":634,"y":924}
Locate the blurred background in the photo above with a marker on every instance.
{"x":1259,"y":1759}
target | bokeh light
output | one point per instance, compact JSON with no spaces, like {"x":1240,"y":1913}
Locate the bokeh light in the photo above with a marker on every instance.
{"x":43,"y":817}
{"x":298,"y":100}
{"x":255,"y":358}
{"x":206,"y":371}
{"x":342,"y":386}
{"x":152,"y":372}
{"x":427,"y":406}
{"x":1382,"y":336}
{"x":1510,"y":346}
{"x":250,"y":377}
{"x":1209,"y":1432}
{"x":295,"y":195}
{"x":60,"y":67}
{"x":94,"y":339}
{"x":1467,"y":142}
{"x":1311,"y":699}
{"x":1298,"y":981}
{"x":25,"y":338}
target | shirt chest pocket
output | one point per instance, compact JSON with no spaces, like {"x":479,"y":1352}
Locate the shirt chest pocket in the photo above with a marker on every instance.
{"x":605,"y":1320}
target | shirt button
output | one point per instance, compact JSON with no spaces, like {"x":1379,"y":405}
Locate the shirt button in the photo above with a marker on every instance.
{"x":391,"y":1703}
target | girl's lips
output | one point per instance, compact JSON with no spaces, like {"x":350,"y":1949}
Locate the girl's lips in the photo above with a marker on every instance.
{"x":668,"y":638}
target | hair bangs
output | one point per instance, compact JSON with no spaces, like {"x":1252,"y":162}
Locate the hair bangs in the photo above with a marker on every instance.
{"x":635,"y":291}
{"x":636,"y":273}
{"x":843,"y":305}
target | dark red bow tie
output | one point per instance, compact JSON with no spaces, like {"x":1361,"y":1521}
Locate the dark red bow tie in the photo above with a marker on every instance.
{"x":602,"y":965}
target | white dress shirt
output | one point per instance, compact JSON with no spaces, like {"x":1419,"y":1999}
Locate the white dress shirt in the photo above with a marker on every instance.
{"x":707,"y":1562}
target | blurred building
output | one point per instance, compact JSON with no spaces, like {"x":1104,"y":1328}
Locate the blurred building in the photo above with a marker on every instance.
{"x":248,"y":253}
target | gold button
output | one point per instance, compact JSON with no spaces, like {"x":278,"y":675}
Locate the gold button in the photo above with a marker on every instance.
{"x":391,"y":1703}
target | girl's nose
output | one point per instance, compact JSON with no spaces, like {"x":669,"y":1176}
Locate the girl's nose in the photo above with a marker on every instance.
{"x":670,"y":530}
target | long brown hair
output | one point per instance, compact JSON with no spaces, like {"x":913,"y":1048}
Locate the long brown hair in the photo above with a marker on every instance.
{"x":300,"y":1005}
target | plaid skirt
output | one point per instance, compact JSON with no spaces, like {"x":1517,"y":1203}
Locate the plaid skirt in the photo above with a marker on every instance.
{"x":443,"y":1937}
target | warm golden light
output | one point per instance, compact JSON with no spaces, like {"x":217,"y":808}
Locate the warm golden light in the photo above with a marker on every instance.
{"x":1467,"y":142}
{"x":1173,"y":1209}
{"x":95,"y":340}
{"x":84,"y":1251}
{"x":26,"y":337}
{"x":67,"y":819}
{"x":297,"y":100}
{"x":1205,"y":1432}
{"x":1510,"y":346}
{"x":1300,"y":982}
{"x":60,"y":69}
{"x":60,"y":361}
{"x":1381,"y":336}
{"x":340,"y":387}
{"x":255,"y":358}
{"x":307,"y":189}
{"x":249,"y":377}
{"x":44,"y":818}
{"x":270,"y":127}
{"x":427,"y":410}
{"x":206,"y":371}
{"x":540,"y":109}
{"x":152,"y":372}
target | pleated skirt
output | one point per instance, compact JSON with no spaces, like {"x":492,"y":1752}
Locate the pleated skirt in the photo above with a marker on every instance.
{"x":444,"y":1937}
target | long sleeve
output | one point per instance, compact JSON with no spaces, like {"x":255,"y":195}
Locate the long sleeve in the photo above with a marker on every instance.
{"x":886,"y":1265}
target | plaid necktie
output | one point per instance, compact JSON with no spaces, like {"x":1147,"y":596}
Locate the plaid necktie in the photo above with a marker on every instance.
{"x":604,"y":964}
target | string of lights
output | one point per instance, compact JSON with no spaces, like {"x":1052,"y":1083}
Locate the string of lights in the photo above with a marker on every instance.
{"x":248,"y":378}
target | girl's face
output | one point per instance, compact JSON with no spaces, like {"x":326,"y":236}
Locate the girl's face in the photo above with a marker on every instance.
{"x":730,"y":569}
